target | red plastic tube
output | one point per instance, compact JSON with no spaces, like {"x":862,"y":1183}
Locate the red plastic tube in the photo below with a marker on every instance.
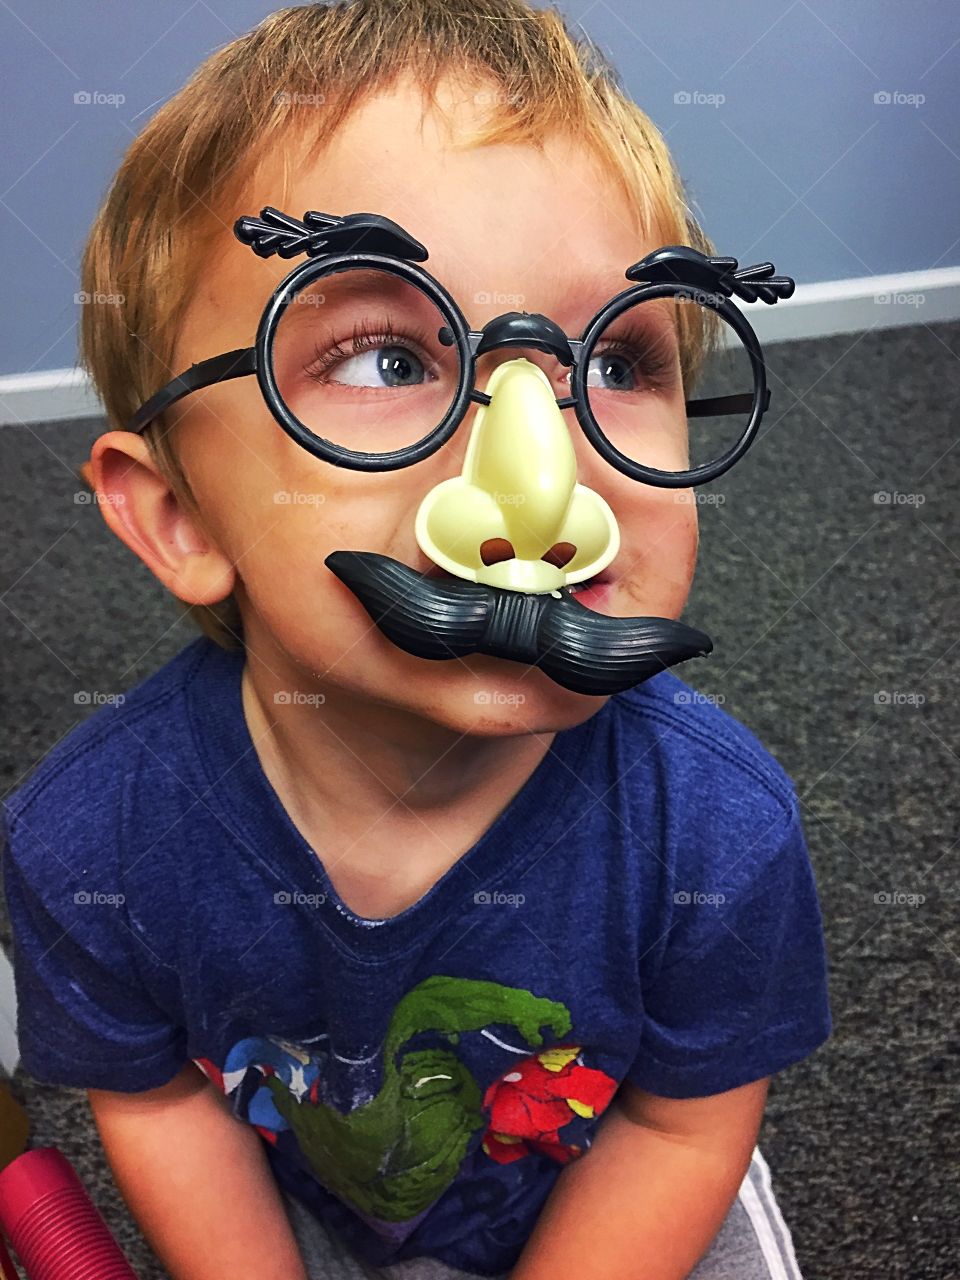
{"x":55,"y":1228}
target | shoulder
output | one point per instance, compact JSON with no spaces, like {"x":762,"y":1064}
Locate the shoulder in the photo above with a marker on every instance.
{"x":720,"y":838}
{"x":84,"y":787}
{"x":715,"y":773}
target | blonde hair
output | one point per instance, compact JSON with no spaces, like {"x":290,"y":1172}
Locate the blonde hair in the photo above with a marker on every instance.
{"x":196,"y":154}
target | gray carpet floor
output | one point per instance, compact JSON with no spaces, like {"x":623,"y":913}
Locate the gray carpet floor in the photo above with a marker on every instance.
{"x":835,"y":620}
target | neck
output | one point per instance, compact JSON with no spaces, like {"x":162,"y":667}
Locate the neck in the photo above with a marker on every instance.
{"x":373,"y":773}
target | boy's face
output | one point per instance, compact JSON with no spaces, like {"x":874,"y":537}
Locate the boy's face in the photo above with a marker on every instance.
{"x":496,"y":220}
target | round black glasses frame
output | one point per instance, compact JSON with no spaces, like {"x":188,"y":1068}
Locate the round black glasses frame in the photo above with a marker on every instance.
{"x":333,"y":245}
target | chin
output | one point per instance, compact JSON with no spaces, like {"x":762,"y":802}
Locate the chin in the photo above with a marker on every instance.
{"x":495,"y":697}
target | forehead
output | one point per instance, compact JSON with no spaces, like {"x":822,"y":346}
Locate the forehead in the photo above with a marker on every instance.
{"x":531,"y":223}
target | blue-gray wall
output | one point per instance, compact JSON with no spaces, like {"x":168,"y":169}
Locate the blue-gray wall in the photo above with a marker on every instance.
{"x":786,"y":151}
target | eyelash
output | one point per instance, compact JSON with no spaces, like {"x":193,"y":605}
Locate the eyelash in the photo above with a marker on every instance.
{"x":656,"y":363}
{"x":365,"y":338}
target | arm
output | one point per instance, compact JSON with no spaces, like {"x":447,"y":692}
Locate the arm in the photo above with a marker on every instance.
{"x":197,"y":1181}
{"x":648,"y":1197}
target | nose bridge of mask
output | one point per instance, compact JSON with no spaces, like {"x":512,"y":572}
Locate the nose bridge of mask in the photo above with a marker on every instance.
{"x":518,"y":484}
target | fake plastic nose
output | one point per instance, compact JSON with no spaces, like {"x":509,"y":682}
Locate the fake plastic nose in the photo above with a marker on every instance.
{"x":518,"y":484}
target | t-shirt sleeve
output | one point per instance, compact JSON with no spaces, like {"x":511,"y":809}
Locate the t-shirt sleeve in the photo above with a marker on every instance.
{"x":84,"y":1017}
{"x":742,"y":991}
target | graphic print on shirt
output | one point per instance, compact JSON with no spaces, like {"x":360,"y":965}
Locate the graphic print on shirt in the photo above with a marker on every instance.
{"x":393,"y":1156}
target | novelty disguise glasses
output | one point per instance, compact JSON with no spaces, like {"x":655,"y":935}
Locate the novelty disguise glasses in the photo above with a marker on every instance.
{"x":366,"y":361}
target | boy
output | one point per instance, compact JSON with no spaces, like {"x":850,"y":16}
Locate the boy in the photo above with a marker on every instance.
{"x":376,"y":965}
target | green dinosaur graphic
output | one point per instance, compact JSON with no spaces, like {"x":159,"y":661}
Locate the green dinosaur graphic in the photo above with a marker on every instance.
{"x":396,"y":1154}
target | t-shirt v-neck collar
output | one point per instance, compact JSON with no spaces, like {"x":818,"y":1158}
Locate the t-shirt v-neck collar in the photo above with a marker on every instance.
{"x":248,"y":805}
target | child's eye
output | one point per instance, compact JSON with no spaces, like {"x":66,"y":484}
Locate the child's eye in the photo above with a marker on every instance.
{"x":610,"y":371}
{"x":381,"y":365}
{"x":359,"y":359}
{"x":625,"y":368}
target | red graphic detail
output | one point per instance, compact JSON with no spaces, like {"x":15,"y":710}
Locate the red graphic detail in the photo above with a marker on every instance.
{"x":529,"y":1104}
{"x":211,"y":1071}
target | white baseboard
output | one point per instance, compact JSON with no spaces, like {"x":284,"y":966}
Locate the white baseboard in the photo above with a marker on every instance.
{"x":814,"y":311}
{"x":866,"y":302}
{"x":9,"y":1050}
{"x":51,"y":396}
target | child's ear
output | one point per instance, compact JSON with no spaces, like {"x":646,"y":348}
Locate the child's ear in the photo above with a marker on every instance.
{"x":141,"y":508}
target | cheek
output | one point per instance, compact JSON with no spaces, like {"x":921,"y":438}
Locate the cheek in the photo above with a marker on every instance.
{"x":662,"y":532}
{"x":277,"y":512}
{"x":255,"y":485}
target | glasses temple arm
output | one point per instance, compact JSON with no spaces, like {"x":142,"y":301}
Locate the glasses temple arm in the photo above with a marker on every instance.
{"x":232,"y":364}
{"x":717,"y":405}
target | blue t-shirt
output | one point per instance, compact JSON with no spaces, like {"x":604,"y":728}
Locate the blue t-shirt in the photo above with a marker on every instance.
{"x":643,"y":909}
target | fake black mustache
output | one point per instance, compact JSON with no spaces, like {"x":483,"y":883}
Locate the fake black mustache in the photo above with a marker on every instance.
{"x":580,"y":649}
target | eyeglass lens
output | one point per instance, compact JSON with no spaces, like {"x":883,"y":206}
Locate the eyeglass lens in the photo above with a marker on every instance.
{"x":358,"y":359}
